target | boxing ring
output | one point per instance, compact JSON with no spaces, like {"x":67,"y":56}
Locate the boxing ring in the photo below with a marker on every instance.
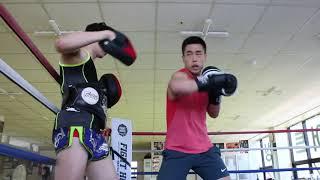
{"x":7,"y":150}
{"x":10,"y":151}
{"x":275,"y":170}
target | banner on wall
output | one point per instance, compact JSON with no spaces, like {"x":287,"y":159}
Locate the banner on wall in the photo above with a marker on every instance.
{"x":244,"y":144}
{"x":121,"y":143}
{"x":219,"y":145}
{"x":232,"y":145}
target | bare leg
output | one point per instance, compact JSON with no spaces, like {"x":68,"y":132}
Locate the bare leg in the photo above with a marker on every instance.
{"x":71,"y":162}
{"x":102,"y":169}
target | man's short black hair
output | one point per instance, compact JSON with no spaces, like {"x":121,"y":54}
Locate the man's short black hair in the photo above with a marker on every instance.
{"x":194,"y":40}
{"x":98,"y":27}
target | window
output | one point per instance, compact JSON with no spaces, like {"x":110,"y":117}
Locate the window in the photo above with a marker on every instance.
{"x":316,"y":173}
{"x":267,"y":154}
{"x":297,"y":139}
{"x":306,"y":158}
{"x":269,"y":175}
{"x":313,"y":136}
{"x":284,"y":158}
{"x":303,"y":174}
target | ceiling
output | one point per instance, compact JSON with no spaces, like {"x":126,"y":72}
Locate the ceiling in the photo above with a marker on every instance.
{"x":273,"y":49}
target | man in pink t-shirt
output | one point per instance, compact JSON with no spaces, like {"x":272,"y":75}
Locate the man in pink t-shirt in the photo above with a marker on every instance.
{"x":190,"y":95}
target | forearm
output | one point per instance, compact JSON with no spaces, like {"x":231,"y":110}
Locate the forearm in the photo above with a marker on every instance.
{"x":183,"y":87}
{"x":72,"y":42}
{"x":213,"y":110}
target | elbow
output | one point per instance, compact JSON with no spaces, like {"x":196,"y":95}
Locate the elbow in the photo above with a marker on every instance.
{"x":174,"y":88}
{"x":213,"y":111}
{"x":178,"y":91}
{"x":60,"y":45}
{"x":214,"y":115}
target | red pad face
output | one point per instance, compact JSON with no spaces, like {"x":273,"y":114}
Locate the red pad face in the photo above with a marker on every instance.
{"x":120,"y":48}
{"x":129,"y":49}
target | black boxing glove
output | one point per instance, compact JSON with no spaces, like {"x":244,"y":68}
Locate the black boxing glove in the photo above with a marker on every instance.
{"x":214,"y":78}
{"x":230,"y":85}
{"x":111,"y":88}
{"x":205,"y":81}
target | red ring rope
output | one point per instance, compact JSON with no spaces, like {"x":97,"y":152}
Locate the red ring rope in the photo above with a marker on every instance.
{"x":230,"y":132}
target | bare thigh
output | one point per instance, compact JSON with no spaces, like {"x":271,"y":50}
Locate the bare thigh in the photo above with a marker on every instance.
{"x":71,"y":162}
{"x":102,"y":169}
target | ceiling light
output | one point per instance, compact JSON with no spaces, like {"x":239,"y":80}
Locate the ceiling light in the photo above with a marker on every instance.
{"x":55,"y":30}
{"x":55,"y":27}
{"x":205,"y":31}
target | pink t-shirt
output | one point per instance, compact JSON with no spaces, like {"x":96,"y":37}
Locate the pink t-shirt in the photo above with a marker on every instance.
{"x":186,"y":122}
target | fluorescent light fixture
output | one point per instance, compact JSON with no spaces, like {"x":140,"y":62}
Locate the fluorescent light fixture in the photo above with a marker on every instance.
{"x":205,"y":31}
{"x":51,"y":33}
{"x":55,"y":30}
{"x":55,"y":27}
{"x":191,"y":33}
{"x":219,"y":34}
{"x":222,"y":34}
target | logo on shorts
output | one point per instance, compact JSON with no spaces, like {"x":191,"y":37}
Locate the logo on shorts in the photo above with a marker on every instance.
{"x":58,"y":137}
{"x":104,"y":147}
{"x":223,"y":170}
{"x":122,"y":130}
{"x":93,"y":142}
{"x":90,"y":95}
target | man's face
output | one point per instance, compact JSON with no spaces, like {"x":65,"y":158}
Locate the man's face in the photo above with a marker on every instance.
{"x":194,"y":58}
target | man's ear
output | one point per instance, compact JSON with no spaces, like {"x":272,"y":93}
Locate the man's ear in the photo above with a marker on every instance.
{"x":182,"y":57}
